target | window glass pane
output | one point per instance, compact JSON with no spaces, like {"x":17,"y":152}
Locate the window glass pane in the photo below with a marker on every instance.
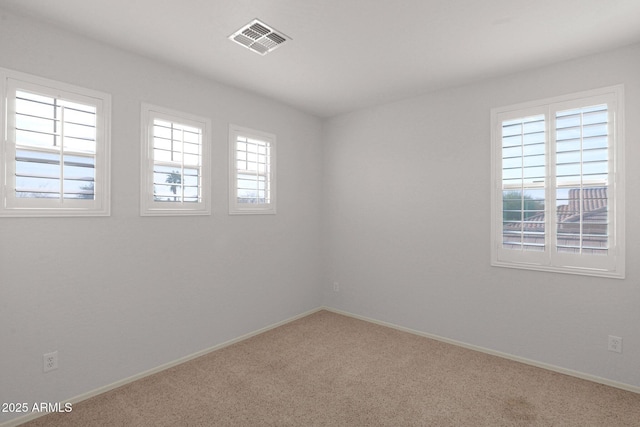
{"x":568,"y":145}
{"x":171,"y":182}
{"x":591,"y":168}
{"x":247,"y":183}
{"x":79,"y":173}
{"x":80,"y":117}
{"x":180,"y":145}
{"x":80,"y":145}
{"x":40,"y":122}
{"x":534,"y":160}
{"x":35,"y":108}
{"x":596,"y":231}
{"x":512,"y":173}
{"x":31,"y":169}
{"x":511,"y":238}
{"x":568,"y":180}
{"x":534,"y":149}
{"x":192,"y":159}
{"x":190,"y":191}
{"x":512,"y":152}
{"x":176,"y":145}
{"x":191,"y":148}
{"x":595,"y":130}
{"x":567,"y":134}
{"x":533,"y":138}
{"x":166,"y":193}
{"x":533,"y":125}
{"x":572,"y":169}
{"x":252,"y":176}
{"x":20,"y":94}
{"x":79,"y":131}
{"x":534,"y":172}
{"x":594,"y":155}
{"x":533,"y":247}
{"x":529,"y":206}
{"x":523,"y":210}
{"x":582,"y":217}
{"x":67,"y":104}
{"x":27,"y":138}
{"x":192,"y":137}
{"x":37,"y":186}
{"x":162,"y":143}
{"x":581,"y":212}
{"x":161,"y":131}
{"x":567,"y":121}
{"x":511,"y":141}
{"x":191,"y":181}
{"x":162,"y":155}
{"x":595,"y":142}
{"x":252,"y":188}
{"x":78,"y":189}
{"x":38,"y":195}
{"x":36,"y":124}
{"x":601,"y":116}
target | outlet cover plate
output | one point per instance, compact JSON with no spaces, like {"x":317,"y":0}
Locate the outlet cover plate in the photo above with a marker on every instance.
{"x":50,"y":361}
{"x":615,"y":344}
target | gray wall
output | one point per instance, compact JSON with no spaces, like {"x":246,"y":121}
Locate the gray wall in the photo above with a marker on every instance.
{"x":392,"y":202}
{"x":123,"y":294}
{"x":407,"y":226}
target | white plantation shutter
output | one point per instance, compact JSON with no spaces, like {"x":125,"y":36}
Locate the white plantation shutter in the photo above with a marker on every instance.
{"x":175,"y":163}
{"x":55,"y":142}
{"x":523,"y":183}
{"x":253,"y":162}
{"x":559,"y":185}
{"x":582,"y":178}
{"x":252,"y":167}
{"x":56,"y":160}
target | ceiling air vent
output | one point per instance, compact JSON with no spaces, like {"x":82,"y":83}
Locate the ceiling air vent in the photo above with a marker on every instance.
{"x":259,"y":37}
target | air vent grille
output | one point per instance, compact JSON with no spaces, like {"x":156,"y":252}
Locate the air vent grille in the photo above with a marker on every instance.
{"x":259,"y":37}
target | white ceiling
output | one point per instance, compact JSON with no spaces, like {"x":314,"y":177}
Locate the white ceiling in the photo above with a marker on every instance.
{"x":350,"y":54}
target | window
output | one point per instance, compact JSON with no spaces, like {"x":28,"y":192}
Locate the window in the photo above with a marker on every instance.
{"x":55,"y":158}
{"x":558,"y":178}
{"x":252,"y":162}
{"x":175,"y":163}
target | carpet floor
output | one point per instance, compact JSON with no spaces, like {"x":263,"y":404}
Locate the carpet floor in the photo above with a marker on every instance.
{"x":331,"y":370}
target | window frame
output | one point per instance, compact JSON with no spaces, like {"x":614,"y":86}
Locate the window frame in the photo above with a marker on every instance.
{"x":10,"y":206}
{"x":611,"y":265}
{"x":236,"y":208}
{"x":150,"y":207}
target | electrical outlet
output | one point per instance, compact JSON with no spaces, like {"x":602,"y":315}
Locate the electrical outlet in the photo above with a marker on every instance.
{"x":50,"y":361}
{"x":336,"y":287}
{"x":615,"y":344}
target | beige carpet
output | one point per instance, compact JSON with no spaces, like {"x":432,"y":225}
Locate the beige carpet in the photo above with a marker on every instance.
{"x":331,"y":370}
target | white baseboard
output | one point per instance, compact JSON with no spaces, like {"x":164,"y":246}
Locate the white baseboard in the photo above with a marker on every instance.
{"x":549,"y":367}
{"x":628,"y":387}
{"x":20,"y":420}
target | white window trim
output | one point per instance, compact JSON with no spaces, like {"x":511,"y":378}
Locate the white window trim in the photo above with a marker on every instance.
{"x":149,"y":207}
{"x":614,"y":267}
{"x":236,"y":208}
{"x":10,"y":206}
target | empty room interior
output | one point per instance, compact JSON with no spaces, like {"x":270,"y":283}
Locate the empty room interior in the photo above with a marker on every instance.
{"x":459,"y":170}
